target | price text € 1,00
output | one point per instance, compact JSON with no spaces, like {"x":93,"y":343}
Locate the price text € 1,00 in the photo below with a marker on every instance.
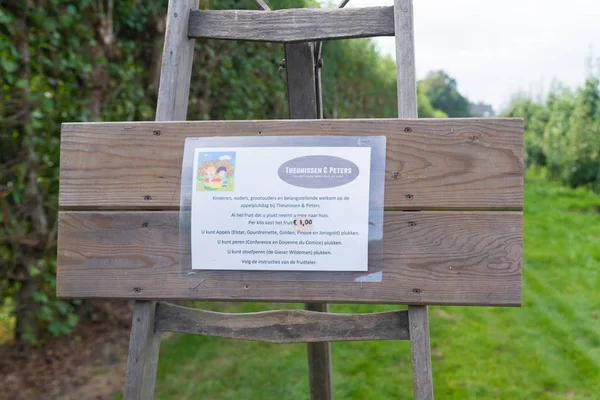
{"x":303,"y":224}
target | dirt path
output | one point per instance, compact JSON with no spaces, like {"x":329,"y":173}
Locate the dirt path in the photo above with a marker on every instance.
{"x":88,"y":364}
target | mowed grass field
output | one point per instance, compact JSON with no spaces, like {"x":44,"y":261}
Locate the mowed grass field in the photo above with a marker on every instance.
{"x":548,"y":349}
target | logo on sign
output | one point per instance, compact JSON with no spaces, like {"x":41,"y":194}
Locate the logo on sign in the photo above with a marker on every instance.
{"x":216,"y":171}
{"x":318,"y":172}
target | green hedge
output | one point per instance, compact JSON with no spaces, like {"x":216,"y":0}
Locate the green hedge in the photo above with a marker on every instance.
{"x":61,"y":61}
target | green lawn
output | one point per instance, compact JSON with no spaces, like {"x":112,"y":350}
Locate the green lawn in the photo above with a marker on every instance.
{"x":548,"y":349}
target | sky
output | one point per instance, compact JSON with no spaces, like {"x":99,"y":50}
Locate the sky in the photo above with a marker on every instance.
{"x":495,"y":49}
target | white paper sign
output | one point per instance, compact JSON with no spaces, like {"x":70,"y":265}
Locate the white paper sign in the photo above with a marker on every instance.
{"x":281,"y":208}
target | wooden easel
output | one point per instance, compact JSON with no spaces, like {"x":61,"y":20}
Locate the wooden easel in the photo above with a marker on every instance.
{"x":494,"y":280}
{"x":303,"y":70}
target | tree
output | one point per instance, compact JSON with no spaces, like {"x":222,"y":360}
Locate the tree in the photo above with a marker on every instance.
{"x":555,"y":141}
{"x":582,"y":153}
{"x":441,"y":90}
{"x":425,"y":109}
{"x":535,"y":116}
{"x":562,"y":132}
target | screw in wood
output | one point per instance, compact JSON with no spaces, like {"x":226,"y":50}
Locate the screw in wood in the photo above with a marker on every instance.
{"x":409,"y":197}
{"x":412,"y":224}
{"x":408,"y":129}
{"x":416,"y":290}
{"x":157,"y":133}
{"x":145,"y":225}
{"x":147,"y":198}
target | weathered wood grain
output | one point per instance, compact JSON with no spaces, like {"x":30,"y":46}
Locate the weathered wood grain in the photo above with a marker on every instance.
{"x":142,"y":360}
{"x":173,"y":94}
{"x":460,"y":258}
{"x":405,"y":59}
{"x":437,"y":164}
{"x":420,"y":351}
{"x":318,"y":47}
{"x":407,"y":108}
{"x":319,"y":354}
{"x":292,"y":25}
{"x":283,"y":326}
{"x":301,"y":84}
{"x":176,"y":68}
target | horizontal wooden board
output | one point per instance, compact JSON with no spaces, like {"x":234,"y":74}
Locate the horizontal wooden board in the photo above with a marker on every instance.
{"x":431,"y":164}
{"x":468,"y":258}
{"x":292,"y":25}
{"x":283,"y":326}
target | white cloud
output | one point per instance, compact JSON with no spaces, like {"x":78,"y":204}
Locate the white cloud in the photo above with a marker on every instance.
{"x":225,"y":157}
{"x":495,"y":49}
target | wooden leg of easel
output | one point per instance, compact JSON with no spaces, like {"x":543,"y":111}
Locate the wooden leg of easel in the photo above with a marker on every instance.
{"x":302,"y":99}
{"x":142,"y":361}
{"x":319,"y":363}
{"x":420,"y":350}
{"x":173,"y":95}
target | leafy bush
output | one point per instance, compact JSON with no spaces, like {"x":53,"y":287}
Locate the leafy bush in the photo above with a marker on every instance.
{"x":559,"y":107}
{"x":59,"y":62}
{"x":581,"y":165}
{"x":562,"y":132}
{"x":80,"y":60}
{"x":535,"y":117}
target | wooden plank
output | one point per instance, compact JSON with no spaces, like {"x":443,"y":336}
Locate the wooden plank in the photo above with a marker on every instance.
{"x":405,"y":59}
{"x":460,"y":258}
{"x":407,"y":108}
{"x":144,"y":345}
{"x":176,"y":70}
{"x":300,"y":74}
{"x":173,"y":94}
{"x":283,"y":326}
{"x":420,"y":352}
{"x":437,"y":164}
{"x":292,"y":25}
{"x":319,"y":354}
{"x":318,"y":89}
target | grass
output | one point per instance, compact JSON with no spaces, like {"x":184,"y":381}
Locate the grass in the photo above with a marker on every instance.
{"x":548,"y":349}
{"x":7,"y":320}
{"x":229,"y":188}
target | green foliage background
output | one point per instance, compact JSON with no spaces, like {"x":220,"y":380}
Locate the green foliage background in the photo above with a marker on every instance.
{"x":562,"y":131}
{"x":441,"y":90}
{"x":67,"y":60}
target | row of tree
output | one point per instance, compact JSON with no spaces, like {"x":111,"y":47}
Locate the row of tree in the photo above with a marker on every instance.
{"x":562,"y":132}
{"x":442,"y":91}
{"x":92,"y":60}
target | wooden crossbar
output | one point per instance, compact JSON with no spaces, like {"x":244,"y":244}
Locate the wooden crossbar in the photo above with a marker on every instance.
{"x":283,"y":326}
{"x":292,"y":25}
{"x":460,"y":258}
{"x":432,"y":164}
